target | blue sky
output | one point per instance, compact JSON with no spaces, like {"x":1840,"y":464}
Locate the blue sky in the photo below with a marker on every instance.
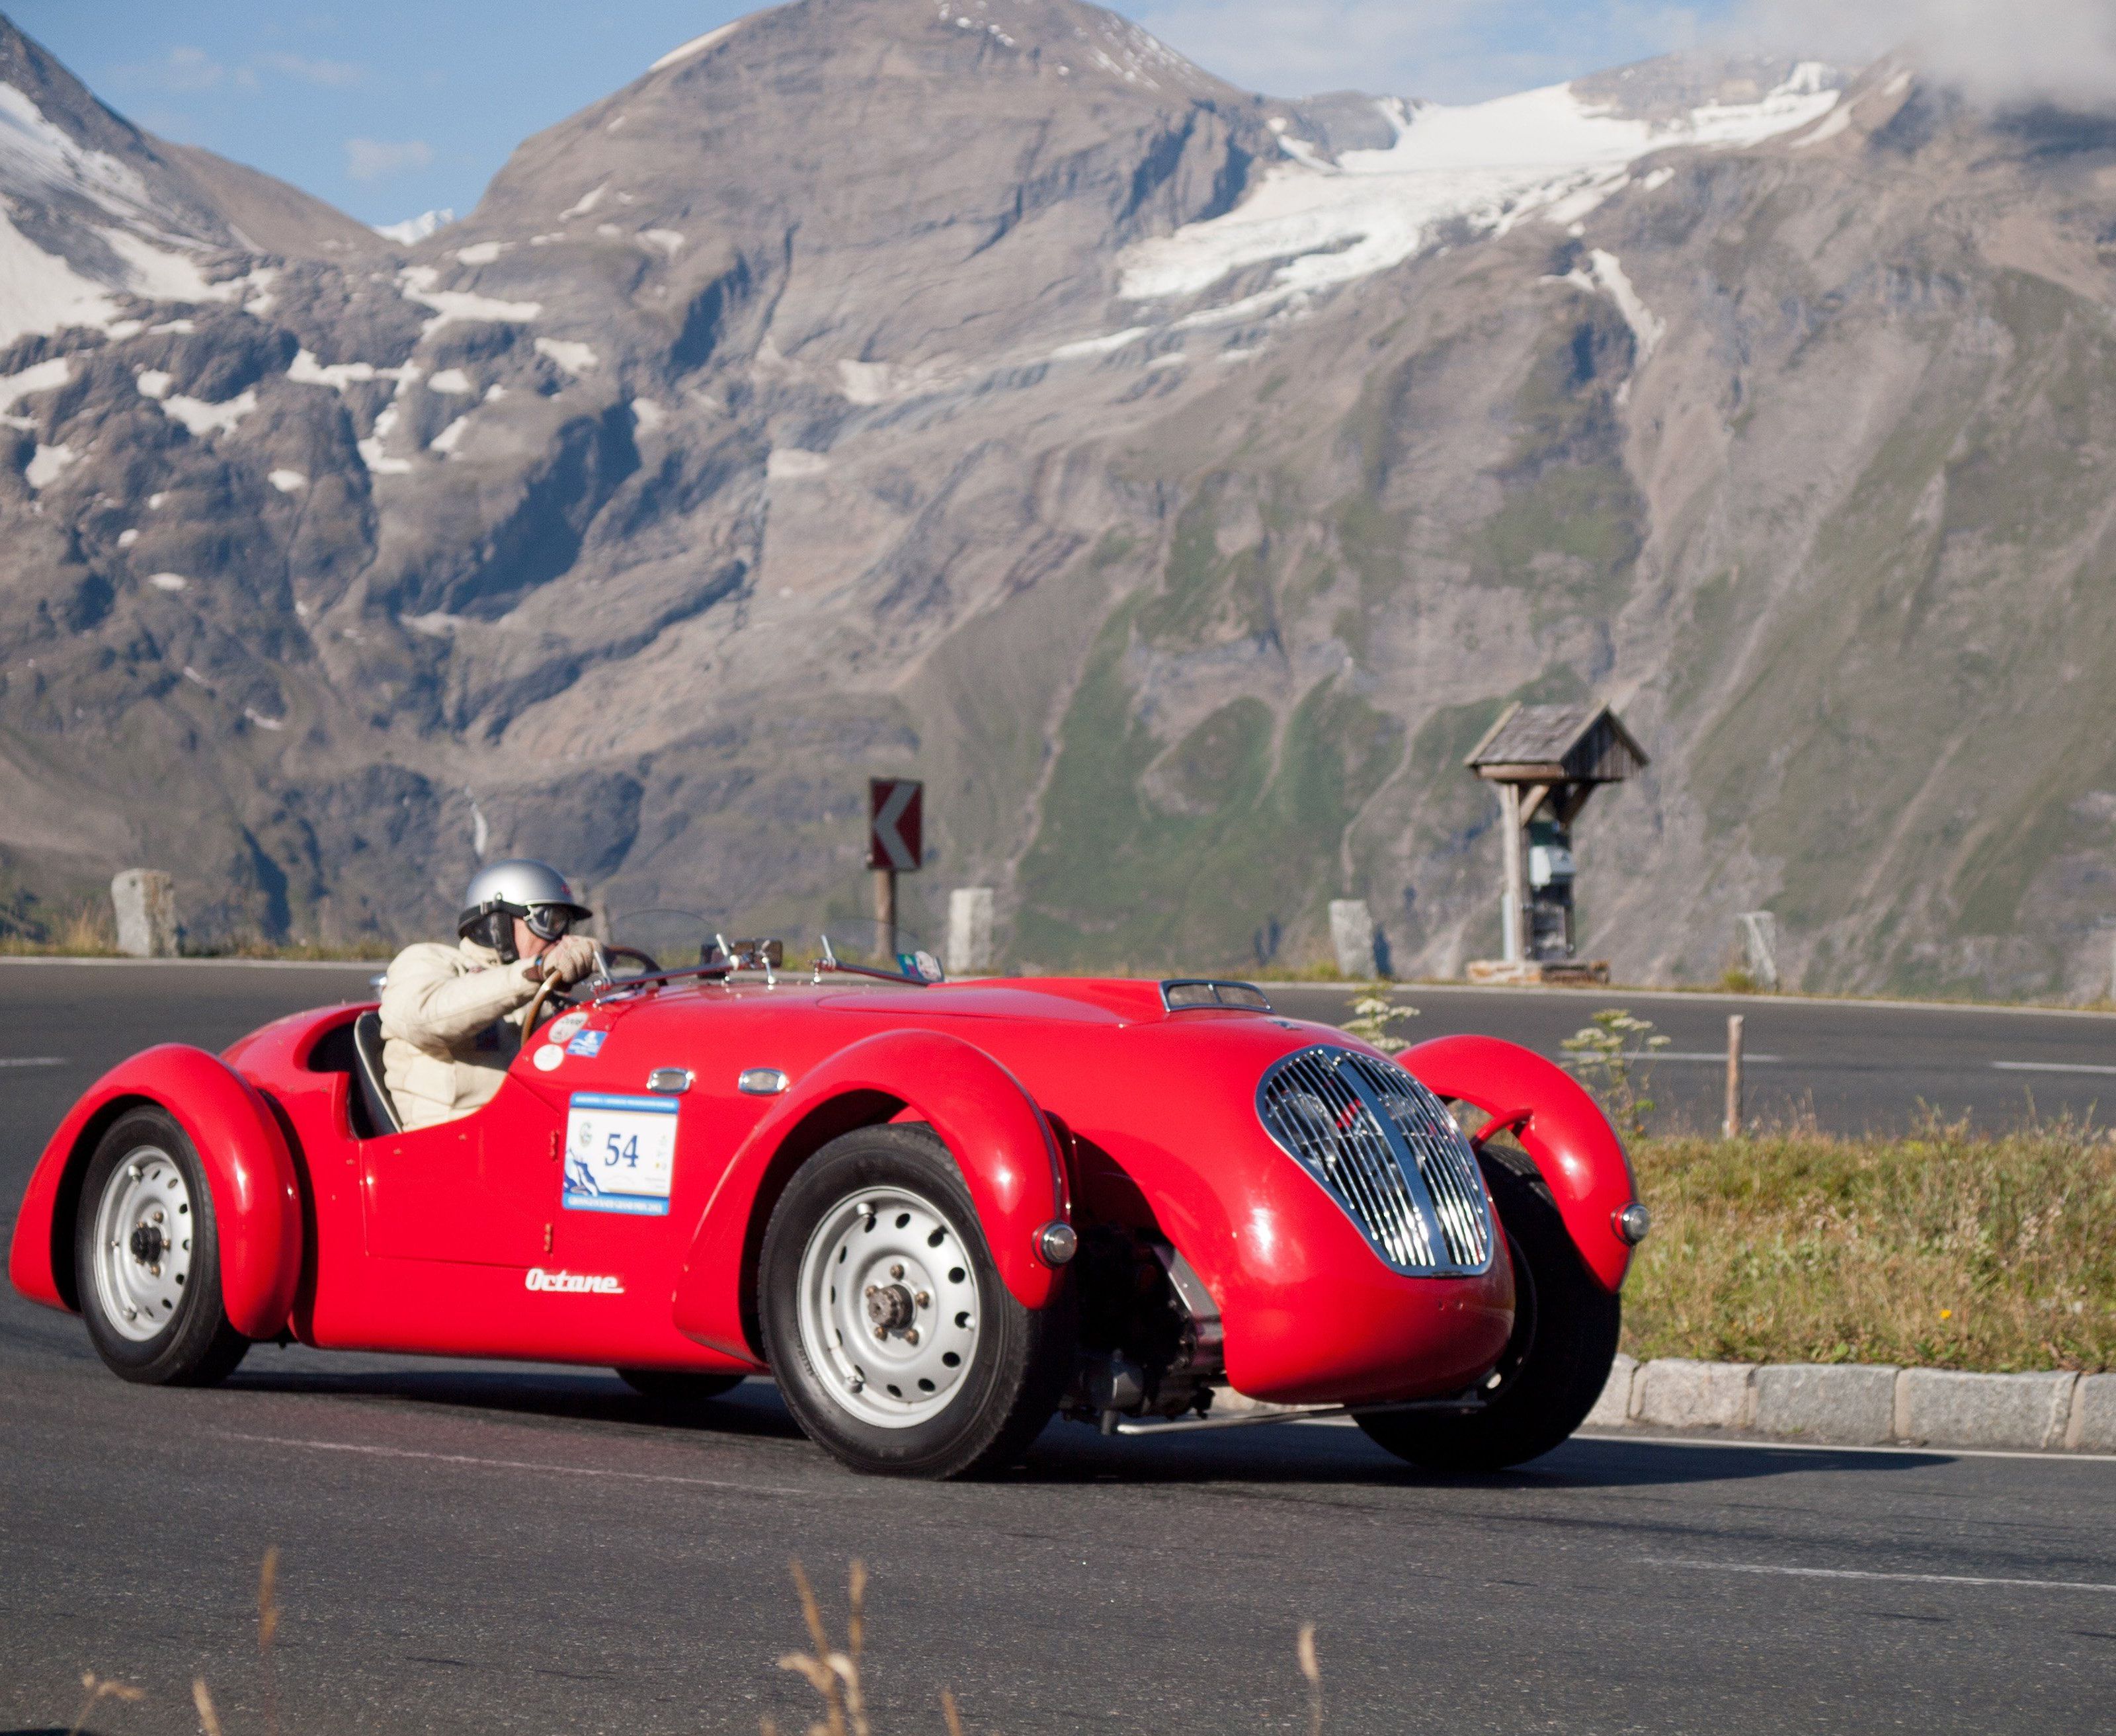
{"x":389,"y":107}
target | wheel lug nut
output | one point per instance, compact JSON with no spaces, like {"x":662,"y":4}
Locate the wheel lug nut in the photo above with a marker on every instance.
{"x":872,"y":1288}
{"x":881,"y":1332}
{"x":896,"y":1270}
{"x":158,"y":1215}
{"x":911,"y":1335}
{"x":923,"y":1299}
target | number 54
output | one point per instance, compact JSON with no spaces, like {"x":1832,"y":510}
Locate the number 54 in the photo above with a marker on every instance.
{"x":618,"y":1149}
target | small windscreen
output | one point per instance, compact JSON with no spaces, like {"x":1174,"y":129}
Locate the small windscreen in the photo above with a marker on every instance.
{"x":1184,"y":995}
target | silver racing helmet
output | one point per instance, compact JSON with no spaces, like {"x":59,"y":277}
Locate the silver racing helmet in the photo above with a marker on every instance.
{"x":535,"y":891}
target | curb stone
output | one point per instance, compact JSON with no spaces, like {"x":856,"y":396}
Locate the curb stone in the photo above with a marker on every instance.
{"x":1612,"y":1410}
{"x":2029,"y":1410}
{"x":2093,"y":1425}
{"x":1868,"y":1405}
{"x":1678,"y":1393}
{"x":1853,"y":1405}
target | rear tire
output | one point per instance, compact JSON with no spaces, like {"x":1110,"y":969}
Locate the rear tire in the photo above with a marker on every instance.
{"x":1555,"y":1364}
{"x":678,"y":1388}
{"x":146,"y":1255}
{"x":952,"y":1377}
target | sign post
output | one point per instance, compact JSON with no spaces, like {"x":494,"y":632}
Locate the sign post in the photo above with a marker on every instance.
{"x":895,"y":844}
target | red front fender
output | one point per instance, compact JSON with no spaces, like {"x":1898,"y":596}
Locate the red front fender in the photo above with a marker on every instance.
{"x":997,"y":1136}
{"x":1561,"y":1127}
{"x":256,"y":1199}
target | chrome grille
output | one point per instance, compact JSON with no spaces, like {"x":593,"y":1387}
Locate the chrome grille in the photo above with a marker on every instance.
{"x":1387,"y":1151}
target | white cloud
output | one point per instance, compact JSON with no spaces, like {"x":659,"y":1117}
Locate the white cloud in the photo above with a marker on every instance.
{"x":338,"y":74}
{"x":1449,"y":50}
{"x":183,"y":69}
{"x":372,"y":159}
{"x":2059,"y":50}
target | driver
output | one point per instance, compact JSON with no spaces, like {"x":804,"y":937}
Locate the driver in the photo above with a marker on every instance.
{"x":448,"y":1025}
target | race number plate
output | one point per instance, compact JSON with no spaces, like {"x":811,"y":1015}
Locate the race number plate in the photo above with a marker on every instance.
{"x":620,"y":1154}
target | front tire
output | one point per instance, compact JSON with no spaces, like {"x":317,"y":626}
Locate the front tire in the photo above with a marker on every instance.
{"x":1556,"y":1362}
{"x":895,"y":1344}
{"x":147,"y":1259}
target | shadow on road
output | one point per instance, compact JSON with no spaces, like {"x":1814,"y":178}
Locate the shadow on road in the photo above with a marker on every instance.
{"x":1072,"y":1454}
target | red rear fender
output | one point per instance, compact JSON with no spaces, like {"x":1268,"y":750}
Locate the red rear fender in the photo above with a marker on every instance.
{"x":1561,"y":1127}
{"x":256,"y":1199}
{"x":997,"y":1136}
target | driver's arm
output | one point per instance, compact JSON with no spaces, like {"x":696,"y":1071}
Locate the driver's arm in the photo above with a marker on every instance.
{"x":434,"y":1008}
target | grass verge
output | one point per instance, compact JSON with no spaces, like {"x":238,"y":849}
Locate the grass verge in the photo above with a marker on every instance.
{"x":1945,"y":1250}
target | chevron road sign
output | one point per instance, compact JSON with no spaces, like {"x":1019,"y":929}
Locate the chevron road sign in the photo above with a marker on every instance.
{"x":896,"y":823}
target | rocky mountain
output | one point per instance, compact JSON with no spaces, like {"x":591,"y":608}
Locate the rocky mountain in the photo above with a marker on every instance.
{"x":1179,"y":480}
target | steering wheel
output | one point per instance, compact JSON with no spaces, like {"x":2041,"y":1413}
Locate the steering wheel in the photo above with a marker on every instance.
{"x":536,"y":1004}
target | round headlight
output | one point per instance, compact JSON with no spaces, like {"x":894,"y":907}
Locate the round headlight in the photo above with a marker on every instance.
{"x":1632,"y":1222}
{"x":1057,"y":1243}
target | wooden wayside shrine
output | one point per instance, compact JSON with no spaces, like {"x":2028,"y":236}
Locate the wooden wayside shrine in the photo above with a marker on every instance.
{"x":1546,"y":760}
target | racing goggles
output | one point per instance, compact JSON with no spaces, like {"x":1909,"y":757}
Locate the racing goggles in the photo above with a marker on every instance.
{"x":548,"y":922}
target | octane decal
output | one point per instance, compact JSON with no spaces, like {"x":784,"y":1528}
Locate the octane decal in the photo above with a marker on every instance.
{"x":573,"y":1283}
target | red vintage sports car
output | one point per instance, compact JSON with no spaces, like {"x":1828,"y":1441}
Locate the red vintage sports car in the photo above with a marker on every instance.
{"x":934,"y":1213}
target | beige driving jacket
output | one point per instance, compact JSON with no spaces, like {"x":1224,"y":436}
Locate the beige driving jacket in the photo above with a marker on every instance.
{"x":447,"y":1034}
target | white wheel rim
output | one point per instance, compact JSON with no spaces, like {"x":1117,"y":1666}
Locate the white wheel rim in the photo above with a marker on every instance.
{"x":144,"y":1227}
{"x":889,"y":1306}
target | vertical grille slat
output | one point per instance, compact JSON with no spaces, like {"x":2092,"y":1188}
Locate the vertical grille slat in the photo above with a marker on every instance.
{"x":1385,"y":1149}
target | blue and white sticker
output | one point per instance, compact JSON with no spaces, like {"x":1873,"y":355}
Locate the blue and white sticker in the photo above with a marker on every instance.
{"x":620,"y":1154}
{"x":588,"y":1043}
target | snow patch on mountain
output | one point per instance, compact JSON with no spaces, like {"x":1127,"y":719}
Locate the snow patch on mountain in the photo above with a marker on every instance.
{"x":417,"y":284}
{"x":1488,"y":164}
{"x":691,"y":49}
{"x":34,"y":153}
{"x":40,"y":292}
{"x":46,"y":463}
{"x":203,"y":418}
{"x":413,"y":230}
{"x":574,"y":357}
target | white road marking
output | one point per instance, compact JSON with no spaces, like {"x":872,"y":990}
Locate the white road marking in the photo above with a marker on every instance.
{"x":1921,"y":1579}
{"x":32,"y":1060}
{"x":465,"y":1458}
{"x":1761,"y":1444}
{"x":2050,"y":1066}
{"x":1719,"y":1055}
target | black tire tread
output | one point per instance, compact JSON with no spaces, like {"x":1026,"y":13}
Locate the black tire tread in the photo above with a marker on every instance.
{"x":1576,"y":1327}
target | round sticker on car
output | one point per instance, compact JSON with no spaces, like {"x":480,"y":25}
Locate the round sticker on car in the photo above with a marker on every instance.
{"x":549,"y":1056}
{"x":567,"y":1024}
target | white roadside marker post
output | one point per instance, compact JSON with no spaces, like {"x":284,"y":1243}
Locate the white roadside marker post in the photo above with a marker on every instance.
{"x":1732,"y":1129}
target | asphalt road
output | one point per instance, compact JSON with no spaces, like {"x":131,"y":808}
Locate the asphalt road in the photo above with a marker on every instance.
{"x":485,"y":1549}
{"x":1850,"y":1066}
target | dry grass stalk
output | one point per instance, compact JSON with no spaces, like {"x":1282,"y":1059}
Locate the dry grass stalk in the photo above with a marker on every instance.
{"x":98,"y":1691}
{"x":268,"y":1624}
{"x":948,"y":1711}
{"x":832,"y":1674}
{"x":208,"y":1718}
{"x":1304,"y":1649}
